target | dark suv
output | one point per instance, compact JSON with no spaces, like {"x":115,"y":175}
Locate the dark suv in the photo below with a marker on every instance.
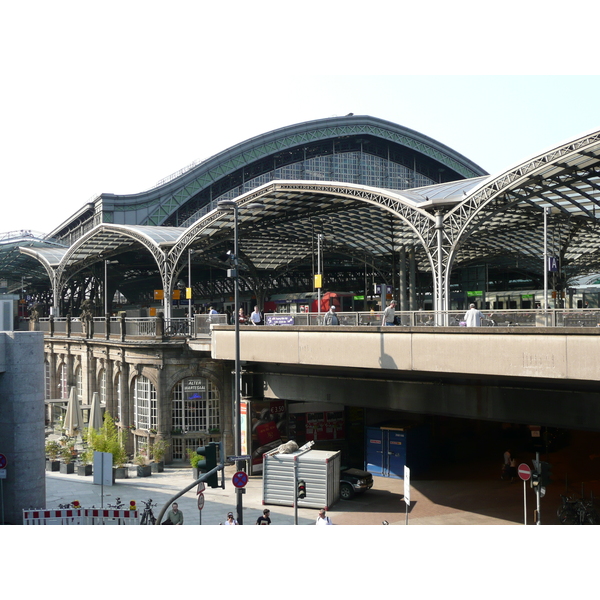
{"x":354,"y":481}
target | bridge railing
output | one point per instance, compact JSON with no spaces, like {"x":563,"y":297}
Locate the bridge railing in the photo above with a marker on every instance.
{"x":157,"y":328}
{"x":450,"y":318}
{"x":203,"y":323}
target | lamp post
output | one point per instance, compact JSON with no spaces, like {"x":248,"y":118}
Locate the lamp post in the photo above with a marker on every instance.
{"x":190,"y":316}
{"x":546,"y":211}
{"x":234,"y":273}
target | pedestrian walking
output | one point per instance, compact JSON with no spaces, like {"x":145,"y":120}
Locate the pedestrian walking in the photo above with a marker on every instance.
{"x":230,"y":519}
{"x":512,"y":469}
{"x":389,"y":314}
{"x":323,"y":519}
{"x":264,"y":519}
{"x":506,"y":464}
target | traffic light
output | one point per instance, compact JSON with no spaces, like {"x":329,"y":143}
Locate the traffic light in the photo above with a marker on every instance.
{"x":301,"y":489}
{"x":535,"y":480}
{"x":210,"y":462}
{"x":545,"y":474}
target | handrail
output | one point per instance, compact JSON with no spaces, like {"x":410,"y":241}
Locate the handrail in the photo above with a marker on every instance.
{"x":158,"y":329}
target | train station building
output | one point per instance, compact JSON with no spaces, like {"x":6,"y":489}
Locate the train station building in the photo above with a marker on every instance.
{"x":373,"y":210}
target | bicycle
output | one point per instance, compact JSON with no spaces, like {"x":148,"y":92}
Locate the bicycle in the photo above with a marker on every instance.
{"x":577,"y":512}
{"x":118,"y":505}
{"x":148,"y":517}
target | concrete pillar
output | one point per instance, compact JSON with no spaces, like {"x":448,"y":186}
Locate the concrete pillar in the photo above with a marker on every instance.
{"x":22,"y":423}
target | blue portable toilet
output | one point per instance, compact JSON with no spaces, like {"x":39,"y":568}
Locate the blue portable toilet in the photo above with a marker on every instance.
{"x":388,"y":448}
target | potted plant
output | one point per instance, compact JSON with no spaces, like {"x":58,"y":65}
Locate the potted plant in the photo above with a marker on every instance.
{"x":195,"y":458}
{"x":84,"y":468}
{"x":109,"y":439}
{"x":52,"y":450}
{"x":143,"y":466}
{"x":158,"y":451}
{"x":67,"y":466}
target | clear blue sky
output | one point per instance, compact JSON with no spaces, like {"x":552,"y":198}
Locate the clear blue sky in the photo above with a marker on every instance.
{"x":116,"y":97}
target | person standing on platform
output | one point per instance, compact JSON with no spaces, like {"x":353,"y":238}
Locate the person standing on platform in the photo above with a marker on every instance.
{"x":256,"y":318}
{"x":389,"y":314}
{"x":330,"y":317}
{"x":473,"y":316}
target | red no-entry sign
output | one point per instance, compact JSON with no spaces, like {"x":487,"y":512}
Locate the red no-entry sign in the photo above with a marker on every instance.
{"x":524,"y":472}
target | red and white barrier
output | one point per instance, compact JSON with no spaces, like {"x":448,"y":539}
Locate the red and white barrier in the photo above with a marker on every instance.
{"x":80,"y":516}
{"x":102,"y":516}
{"x":67,"y":516}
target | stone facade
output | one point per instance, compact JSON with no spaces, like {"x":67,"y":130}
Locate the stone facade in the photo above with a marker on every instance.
{"x":113,"y":368}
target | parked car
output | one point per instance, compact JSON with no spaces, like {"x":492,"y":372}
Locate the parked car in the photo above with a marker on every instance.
{"x":354,"y":481}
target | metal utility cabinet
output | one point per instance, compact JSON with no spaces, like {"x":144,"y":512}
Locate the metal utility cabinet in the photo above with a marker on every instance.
{"x":390,"y":447}
{"x":319,"y":469}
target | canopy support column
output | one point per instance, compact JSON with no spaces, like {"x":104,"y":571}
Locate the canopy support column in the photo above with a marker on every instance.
{"x":402,"y":280}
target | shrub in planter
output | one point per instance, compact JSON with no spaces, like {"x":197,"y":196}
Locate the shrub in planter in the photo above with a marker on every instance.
{"x":120,"y":473}
{"x":195,"y":458}
{"x":84,"y":470}
{"x":85,"y":466}
{"x":67,"y":466}
{"x":52,"y":450}
{"x":157,"y":452}
{"x":143,"y":466}
{"x":110,"y":439}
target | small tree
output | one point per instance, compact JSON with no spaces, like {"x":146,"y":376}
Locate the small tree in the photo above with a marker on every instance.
{"x":52,"y":449}
{"x":109,"y":439}
{"x":159,"y":449}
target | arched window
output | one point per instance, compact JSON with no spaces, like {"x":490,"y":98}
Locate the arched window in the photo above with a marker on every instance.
{"x":195,"y":409}
{"x":118,"y":396}
{"x":47,"y":380}
{"x":102,"y":386}
{"x":79,"y":383}
{"x":196,"y":406}
{"x":63,"y":388}
{"x":144,"y":403}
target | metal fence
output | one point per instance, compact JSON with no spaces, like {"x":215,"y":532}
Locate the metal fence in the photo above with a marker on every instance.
{"x":451,"y":318}
{"x":200,"y":325}
{"x":203,"y":323}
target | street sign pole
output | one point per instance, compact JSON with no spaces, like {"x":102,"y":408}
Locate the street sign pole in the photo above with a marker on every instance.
{"x":407,"y":490}
{"x":524,"y":502}
{"x":295,"y":491}
{"x":537,"y":491}
{"x":525,"y":474}
{"x":200,"y":494}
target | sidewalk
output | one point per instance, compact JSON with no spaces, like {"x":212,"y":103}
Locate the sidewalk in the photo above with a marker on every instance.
{"x":432,"y":502}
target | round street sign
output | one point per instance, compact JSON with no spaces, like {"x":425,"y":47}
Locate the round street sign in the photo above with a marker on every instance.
{"x":2,"y":461}
{"x":524,"y":472}
{"x":240,"y":479}
{"x":200,"y":501}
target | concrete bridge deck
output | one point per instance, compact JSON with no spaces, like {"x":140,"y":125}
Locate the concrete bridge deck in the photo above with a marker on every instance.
{"x":527,"y":352}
